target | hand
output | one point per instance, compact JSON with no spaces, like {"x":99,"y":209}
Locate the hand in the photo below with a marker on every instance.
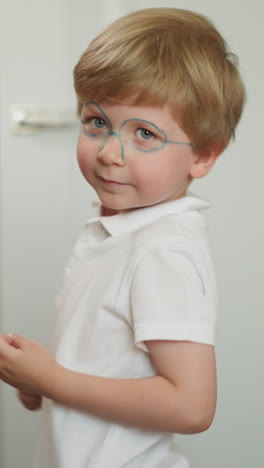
{"x":31,"y":401}
{"x":26,"y":365}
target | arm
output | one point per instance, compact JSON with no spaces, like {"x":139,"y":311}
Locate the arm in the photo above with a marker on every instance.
{"x":181,"y":398}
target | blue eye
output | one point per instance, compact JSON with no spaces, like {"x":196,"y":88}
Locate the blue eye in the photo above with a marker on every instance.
{"x":98,"y":122}
{"x":145,"y":134}
{"x":94,"y":126}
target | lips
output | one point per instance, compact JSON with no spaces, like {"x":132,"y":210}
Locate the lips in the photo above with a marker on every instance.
{"x":109,"y":181}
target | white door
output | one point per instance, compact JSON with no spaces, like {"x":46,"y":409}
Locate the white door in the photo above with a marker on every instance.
{"x":44,"y":203}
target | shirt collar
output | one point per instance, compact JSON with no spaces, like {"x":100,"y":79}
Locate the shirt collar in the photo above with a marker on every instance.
{"x":125,"y":222}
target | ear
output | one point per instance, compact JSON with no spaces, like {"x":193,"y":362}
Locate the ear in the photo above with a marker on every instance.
{"x":203,"y":164}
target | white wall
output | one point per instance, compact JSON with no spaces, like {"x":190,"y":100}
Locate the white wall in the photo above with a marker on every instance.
{"x":2,"y":431}
{"x":236,"y":231}
{"x":44,"y":200}
{"x":1,"y":309}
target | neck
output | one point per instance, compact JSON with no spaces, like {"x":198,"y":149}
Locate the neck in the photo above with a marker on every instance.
{"x":107,"y":211}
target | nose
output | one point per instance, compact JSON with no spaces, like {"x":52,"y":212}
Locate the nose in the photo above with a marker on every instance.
{"x":111,"y":150}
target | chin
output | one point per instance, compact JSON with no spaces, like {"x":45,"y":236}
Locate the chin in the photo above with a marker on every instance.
{"x":112,"y":203}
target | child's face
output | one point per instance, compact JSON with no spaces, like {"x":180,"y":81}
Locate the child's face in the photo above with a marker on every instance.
{"x":133,"y":155}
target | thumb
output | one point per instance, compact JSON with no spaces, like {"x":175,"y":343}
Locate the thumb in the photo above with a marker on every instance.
{"x":16,"y":340}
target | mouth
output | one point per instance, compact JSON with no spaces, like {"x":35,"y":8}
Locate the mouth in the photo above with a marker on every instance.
{"x":110,"y":181}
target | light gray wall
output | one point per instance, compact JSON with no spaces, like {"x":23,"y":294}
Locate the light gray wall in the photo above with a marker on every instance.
{"x":1,"y":307}
{"x":236,"y":231}
{"x":44,"y":201}
{"x":2,"y":431}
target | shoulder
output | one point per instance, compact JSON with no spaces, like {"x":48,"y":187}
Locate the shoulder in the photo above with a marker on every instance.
{"x":175,"y":247}
{"x":181,"y":233}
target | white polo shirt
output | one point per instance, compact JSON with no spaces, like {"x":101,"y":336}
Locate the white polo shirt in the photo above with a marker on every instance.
{"x":132,"y":277}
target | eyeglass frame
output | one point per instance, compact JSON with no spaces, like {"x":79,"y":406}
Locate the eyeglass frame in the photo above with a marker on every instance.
{"x":118,"y":136}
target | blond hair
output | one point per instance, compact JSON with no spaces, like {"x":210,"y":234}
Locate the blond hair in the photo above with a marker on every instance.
{"x":167,"y":55}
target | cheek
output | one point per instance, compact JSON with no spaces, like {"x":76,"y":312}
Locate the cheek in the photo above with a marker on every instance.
{"x":85,"y":153}
{"x":80,"y":157}
{"x":149,"y":178}
{"x":162,"y":173}
{"x":143,"y":174}
{"x":151,"y":169}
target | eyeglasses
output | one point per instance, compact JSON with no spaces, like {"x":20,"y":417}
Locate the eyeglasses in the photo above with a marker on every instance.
{"x":139,"y":134}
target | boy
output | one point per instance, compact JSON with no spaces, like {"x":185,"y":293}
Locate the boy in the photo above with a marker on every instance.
{"x":159,"y":99}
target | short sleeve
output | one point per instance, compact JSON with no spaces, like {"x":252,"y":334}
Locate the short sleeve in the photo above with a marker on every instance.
{"x":170,"y":297}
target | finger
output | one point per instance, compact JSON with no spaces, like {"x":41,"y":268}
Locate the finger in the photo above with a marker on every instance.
{"x":17,"y":340}
{"x":33,"y":405}
{"x":9,"y":339}
{"x":6,"y":338}
{"x":23,"y":394}
{"x":4,"y":345}
{"x":30,"y":401}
